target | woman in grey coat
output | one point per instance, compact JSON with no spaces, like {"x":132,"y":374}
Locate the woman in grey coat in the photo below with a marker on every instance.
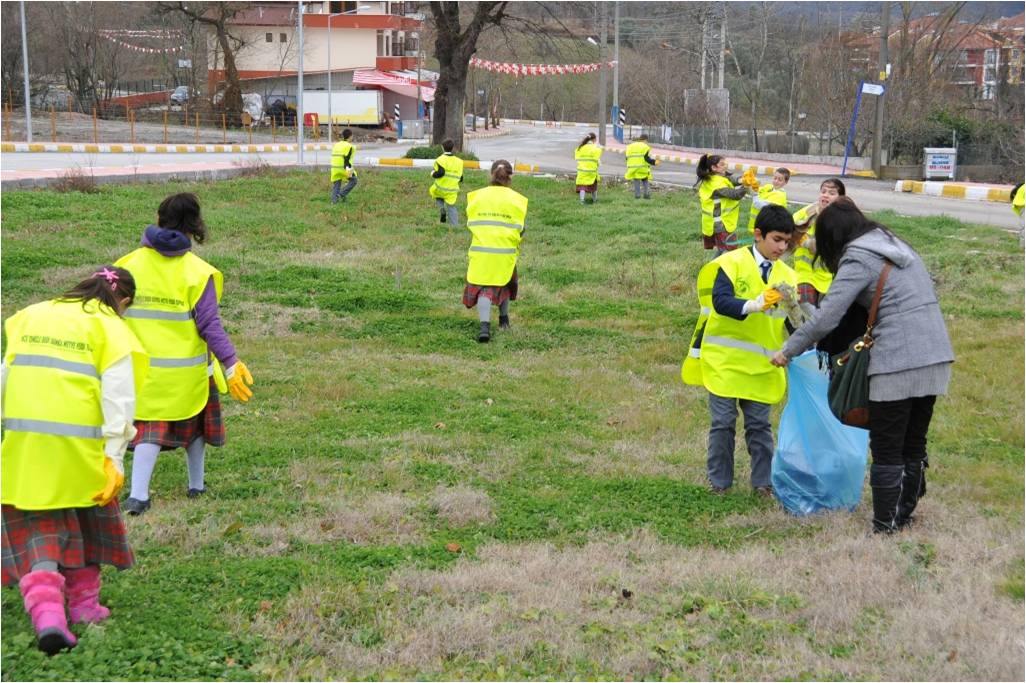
{"x":910,"y":364}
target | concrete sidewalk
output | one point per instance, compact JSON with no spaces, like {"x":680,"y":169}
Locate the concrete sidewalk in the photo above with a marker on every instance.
{"x":739,"y":163}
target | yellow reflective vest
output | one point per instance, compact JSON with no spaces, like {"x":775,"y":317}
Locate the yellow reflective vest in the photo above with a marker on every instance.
{"x":809,"y":269}
{"x":717,"y":211}
{"x":767,"y":195}
{"x":588,"y":157}
{"x":637,"y":167}
{"x":735,"y":354}
{"x":52,"y":450}
{"x":691,"y":368}
{"x":495,"y":218}
{"x":1019,"y":200}
{"x":339,"y":151}
{"x":167,"y":289}
{"x":448,"y":186}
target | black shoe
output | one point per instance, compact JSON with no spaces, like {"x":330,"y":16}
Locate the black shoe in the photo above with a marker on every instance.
{"x":885,"y":481}
{"x":442,"y":218}
{"x":135,"y":507}
{"x":648,"y":196}
{"x":485,"y":333}
{"x":504,"y":322}
{"x":195,"y":493}
{"x":913,"y":487}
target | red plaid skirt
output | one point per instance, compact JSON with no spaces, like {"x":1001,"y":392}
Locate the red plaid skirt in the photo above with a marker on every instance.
{"x":71,"y":537}
{"x":497,"y":295}
{"x":207,"y":424}
{"x":719,"y":241}
{"x":807,"y":294}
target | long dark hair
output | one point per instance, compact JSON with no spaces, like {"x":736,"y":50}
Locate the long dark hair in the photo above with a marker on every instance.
{"x":181,"y":212}
{"x":839,"y":224}
{"x":587,"y":138}
{"x":836,"y":184}
{"x":705,"y":164}
{"x":108,"y":285}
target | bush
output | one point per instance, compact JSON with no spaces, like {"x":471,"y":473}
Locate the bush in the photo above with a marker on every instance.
{"x":435,"y":151}
{"x":76,"y":180}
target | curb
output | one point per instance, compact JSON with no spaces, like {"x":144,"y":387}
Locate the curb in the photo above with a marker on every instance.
{"x":226,"y":173}
{"x":116,"y":148}
{"x":981,"y":193}
{"x":548,"y":124}
{"x":479,"y":136}
{"x":768,"y":170}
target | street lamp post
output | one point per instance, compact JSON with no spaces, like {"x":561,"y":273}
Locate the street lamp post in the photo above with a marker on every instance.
{"x":331,"y":121}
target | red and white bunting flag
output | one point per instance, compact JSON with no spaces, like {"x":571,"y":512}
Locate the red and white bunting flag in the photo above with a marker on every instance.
{"x":537,"y":69}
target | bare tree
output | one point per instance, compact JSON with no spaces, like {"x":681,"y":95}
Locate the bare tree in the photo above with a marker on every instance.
{"x":454,"y":46}
{"x":217,"y":17}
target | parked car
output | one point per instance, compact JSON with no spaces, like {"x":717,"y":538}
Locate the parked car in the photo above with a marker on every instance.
{"x":180,"y":95}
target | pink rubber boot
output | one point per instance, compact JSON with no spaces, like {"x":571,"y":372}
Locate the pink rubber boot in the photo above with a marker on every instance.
{"x":84,"y":594}
{"x":44,"y":601}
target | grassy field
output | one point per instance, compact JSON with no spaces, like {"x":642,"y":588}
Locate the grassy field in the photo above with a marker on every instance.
{"x":401,"y":502}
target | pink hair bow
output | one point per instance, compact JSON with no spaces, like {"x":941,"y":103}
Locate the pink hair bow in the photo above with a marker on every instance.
{"x":110,"y":276}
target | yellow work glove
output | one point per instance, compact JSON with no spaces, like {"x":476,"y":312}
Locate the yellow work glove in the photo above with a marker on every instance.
{"x":238,"y":378}
{"x":115,"y":480}
{"x":748,"y":178}
{"x":770,"y":297}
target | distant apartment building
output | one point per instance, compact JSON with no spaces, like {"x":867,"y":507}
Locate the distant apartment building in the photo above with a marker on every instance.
{"x":369,"y":45}
{"x":977,"y":56}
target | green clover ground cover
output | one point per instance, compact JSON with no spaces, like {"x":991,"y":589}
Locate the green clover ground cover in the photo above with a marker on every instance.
{"x":381,"y":434}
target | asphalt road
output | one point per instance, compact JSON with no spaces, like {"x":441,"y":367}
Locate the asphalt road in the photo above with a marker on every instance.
{"x":552,"y":149}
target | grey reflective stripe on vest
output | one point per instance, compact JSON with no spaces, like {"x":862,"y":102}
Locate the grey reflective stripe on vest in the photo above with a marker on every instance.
{"x":738,"y":344}
{"x":54,"y":428}
{"x":178,"y":362}
{"x":151,"y":314}
{"x":495,"y":250}
{"x":705,"y":311}
{"x":495,"y":224}
{"x":803,"y":259}
{"x":36,"y":361}
{"x":446,"y":190}
{"x":695,"y":352}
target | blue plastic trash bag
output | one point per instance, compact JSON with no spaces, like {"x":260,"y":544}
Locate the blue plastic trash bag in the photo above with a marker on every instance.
{"x":819,"y":464}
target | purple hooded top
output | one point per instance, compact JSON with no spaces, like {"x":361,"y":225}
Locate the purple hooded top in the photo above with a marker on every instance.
{"x":173,"y":243}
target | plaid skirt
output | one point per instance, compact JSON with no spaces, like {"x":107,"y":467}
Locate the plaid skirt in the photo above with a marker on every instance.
{"x":807,"y":294}
{"x":71,"y":537}
{"x":720,"y":241}
{"x":497,"y":295}
{"x":208,"y":424}
{"x":586,"y":188}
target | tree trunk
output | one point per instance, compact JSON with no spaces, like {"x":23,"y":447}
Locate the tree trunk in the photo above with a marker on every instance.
{"x":232,"y":101}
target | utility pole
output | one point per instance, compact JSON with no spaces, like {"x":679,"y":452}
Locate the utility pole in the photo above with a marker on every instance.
{"x":25,"y":69}
{"x":299,"y":93}
{"x":603,"y":37}
{"x":723,"y":44}
{"x":616,"y":53}
{"x":885,"y":18}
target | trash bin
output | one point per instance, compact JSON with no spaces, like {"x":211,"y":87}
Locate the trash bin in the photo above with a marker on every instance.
{"x":414,"y":129}
{"x":939,"y":162}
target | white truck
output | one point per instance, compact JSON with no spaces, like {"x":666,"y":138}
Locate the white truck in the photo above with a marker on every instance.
{"x":347,"y":106}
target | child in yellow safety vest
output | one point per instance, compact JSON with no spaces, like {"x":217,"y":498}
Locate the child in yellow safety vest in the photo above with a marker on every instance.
{"x":448,"y":174}
{"x":720,"y":197}
{"x":813,"y":277}
{"x":770,"y":193}
{"x":496,"y":217}
{"x":70,"y":374}
{"x":176,"y":317}
{"x":739,"y":330}
{"x":588,"y":156}
{"x":639,"y":165}
{"x":342,"y":167}
{"x":1018,"y":198}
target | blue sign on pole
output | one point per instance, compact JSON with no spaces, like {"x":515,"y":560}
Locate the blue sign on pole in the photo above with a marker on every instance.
{"x":851,"y":128}
{"x":617,"y":123}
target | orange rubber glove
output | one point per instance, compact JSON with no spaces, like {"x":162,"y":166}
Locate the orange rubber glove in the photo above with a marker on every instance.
{"x":115,"y":480}
{"x":770,"y":297}
{"x":238,"y":378}
{"x":748,"y":178}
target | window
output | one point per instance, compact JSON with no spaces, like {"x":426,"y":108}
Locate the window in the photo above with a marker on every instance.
{"x":268,"y":37}
{"x":282,"y":37}
{"x":335,"y":7}
{"x":382,"y":44}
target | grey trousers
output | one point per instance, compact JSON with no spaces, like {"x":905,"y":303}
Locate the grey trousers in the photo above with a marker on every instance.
{"x":639,"y":185}
{"x":451,"y":212}
{"x":758,"y":437}
{"x":338,"y":192}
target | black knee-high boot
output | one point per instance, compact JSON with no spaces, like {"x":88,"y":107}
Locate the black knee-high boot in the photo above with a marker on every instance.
{"x":913,"y":487}
{"x":885,"y":480}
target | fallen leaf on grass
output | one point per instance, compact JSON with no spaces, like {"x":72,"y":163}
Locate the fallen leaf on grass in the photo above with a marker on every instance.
{"x":232,"y":529}
{"x":265,"y":605}
{"x":453,"y":547}
{"x":439,"y":425}
{"x":489,"y":401}
{"x":327,"y":525}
